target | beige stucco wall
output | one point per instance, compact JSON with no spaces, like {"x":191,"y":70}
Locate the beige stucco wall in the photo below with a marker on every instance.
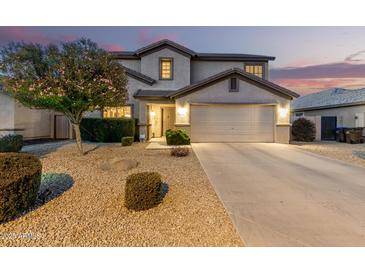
{"x":134,"y":64}
{"x":150,"y":66}
{"x":282,"y":134}
{"x":345,"y":115}
{"x":7,"y":108}
{"x":203,"y":69}
{"x":133,"y":86}
{"x":36,"y":123}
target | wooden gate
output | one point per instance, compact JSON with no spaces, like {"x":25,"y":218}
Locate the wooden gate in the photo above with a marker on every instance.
{"x":62,"y":127}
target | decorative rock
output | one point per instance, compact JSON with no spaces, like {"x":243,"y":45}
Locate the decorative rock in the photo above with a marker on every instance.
{"x":118,"y":163}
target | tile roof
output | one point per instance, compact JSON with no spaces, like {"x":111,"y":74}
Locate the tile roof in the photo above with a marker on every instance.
{"x":240,"y":72}
{"x":158,"y":93}
{"x":194,"y":55}
{"x":139,"y":76}
{"x":334,"y":97}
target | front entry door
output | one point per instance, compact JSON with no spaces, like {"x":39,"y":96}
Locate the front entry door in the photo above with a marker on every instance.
{"x":168,"y":119}
{"x":328,"y":127}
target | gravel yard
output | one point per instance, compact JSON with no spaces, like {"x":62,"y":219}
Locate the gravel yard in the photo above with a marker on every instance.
{"x":351,"y":153}
{"x":89,"y":211}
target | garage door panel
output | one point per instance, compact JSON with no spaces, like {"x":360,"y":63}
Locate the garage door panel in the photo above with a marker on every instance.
{"x":227,"y":123}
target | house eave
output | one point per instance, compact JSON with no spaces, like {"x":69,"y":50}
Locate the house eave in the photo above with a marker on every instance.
{"x":353,"y":104}
{"x":244,"y":76}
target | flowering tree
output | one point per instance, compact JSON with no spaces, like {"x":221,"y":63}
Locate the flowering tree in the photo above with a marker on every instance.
{"x":72,"y":78}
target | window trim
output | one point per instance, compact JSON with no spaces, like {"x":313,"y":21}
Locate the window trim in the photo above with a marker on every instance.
{"x":230,"y":85}
{"x":262,"y":64}
{"x":171,"y":69}
{"x":126,"y":105}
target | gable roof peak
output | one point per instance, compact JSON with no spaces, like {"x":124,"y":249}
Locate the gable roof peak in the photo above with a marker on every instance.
{"x":165,"y":42}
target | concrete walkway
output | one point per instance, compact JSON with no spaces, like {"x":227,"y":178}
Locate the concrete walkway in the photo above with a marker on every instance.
{"x":160,"y":143}
{"x":278,"y":195}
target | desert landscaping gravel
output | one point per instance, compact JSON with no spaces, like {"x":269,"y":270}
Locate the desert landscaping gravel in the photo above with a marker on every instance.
{"x":351,"y":153}
{"x":88,"y":209}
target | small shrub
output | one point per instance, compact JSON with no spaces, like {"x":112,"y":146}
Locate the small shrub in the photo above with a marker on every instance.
{"x":143,"y":190}
{"x":127,"y":141}
{"x":20,"y":178}
{"x":176,"y":137}
{"x":179,"y":151}
{"x":303,"y":130}
{"x":106,"y":129}
{"x":11,"y":143}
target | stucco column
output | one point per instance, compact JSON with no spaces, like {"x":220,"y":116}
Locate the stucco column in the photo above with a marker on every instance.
{"x":142,"y":118}
{"x":283,"y":126}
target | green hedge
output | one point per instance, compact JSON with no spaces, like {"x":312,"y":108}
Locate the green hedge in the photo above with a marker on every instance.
{"x":11,"y":143}
{"x":127,"y":141}
{"x":20,"y":178}
{"x":176,"y":137}
{"x":106,"y":129}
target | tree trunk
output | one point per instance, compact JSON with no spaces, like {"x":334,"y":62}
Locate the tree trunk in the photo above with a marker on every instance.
{"x":78,"y":138}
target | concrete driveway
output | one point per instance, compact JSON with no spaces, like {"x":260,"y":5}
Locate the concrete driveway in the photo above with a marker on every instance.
{"x":279,"y":195}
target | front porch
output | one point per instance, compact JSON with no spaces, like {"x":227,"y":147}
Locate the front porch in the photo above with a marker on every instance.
{"x":160,"y":143}
{"x":160,"y":117}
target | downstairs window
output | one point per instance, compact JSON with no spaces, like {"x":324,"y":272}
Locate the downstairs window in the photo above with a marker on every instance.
{"x":117,"y":112}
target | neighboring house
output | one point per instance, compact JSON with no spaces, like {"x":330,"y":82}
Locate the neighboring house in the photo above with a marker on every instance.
{"x":330,"y":109}
{"x":215,"y":97}
{"x":31,"y":123}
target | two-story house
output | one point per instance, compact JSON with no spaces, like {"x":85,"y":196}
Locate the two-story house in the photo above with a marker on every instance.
{"x":215,"y":97}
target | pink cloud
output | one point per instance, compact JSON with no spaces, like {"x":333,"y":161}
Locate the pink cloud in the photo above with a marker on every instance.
{"x":306,"y":86}
{"x":312,"y":78}
{"x":28,"y":35}
{"x":145,"y":37}
{"x":111,"y":47}
{"x":302,"y":62}
{"x":22,"y":34}
{"x":332,"y":70}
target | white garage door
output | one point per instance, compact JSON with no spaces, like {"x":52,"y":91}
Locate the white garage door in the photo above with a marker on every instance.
{"x":232,"y":123}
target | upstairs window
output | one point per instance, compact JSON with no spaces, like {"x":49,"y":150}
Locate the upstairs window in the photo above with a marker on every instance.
{"x":257,"y":70}
{"x":118,"y":112}
{"x":233,"y":85}
{"x":166,"y":69}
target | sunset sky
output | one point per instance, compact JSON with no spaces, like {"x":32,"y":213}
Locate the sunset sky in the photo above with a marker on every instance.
{"x":308,"y":59}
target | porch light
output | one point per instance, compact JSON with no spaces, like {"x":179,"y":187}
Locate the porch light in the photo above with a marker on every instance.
{"x":182,"y":111}
{"x":283,"y":112}
{"x":152,"y":114}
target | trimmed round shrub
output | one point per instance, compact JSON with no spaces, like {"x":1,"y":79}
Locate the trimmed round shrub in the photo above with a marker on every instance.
{"x":143,"y":190}
{"x":127,"y":141}
{"x":20,"y":178}
{"x":176,"y":137}
{"x":179,"y":151}
{"x":303,"y":130}
{"x":11,"y":143}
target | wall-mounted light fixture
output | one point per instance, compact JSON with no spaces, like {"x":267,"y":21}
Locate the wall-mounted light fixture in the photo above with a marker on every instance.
{"x":283,"y":112}
{"x":152,"y":114}
{"x":182,"y":111}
